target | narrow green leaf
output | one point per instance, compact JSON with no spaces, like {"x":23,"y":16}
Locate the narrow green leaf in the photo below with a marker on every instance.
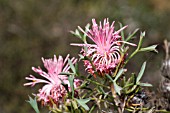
{"x":86,"y":30}
{"x":71,"y":66}
{"x":130,"y":80}
{"x":117,"y":88}
{"x":82,"y":102}
{"x":140,"y":40}
{"x":71,"y":81}
{"x":134,"y":78}
{"x":64,"y":73}
{"x":33,"y":103}
{"x":119,"y":74}
{"x":81,"y":56}
{"x":92,"y":108}
{"x":109,"y":77}
{"x":142,"y":34}
{"x":131,"y":89}
{"x":141,"y":72}
{"x":150,"y":48}
{"x":76,"y":33}
{"x":131,"y":35}
{"x":145,"y":84}
{"x":76,"y":68}
{"x":122,"y":33}
{"x":101,"y":90}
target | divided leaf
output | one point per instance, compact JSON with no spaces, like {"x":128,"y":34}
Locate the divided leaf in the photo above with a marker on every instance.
{"x":150,"y":48}
{"x":71,"y":66}
{"x":33,"y":103}
{"x":76,"y":33}
{"x":71,"y":81}
{"x":117,"y":88}
{"x":82,"y":102}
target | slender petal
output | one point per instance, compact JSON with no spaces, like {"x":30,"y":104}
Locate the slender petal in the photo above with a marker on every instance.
{"x":105,"y":52}
{"x":53,"y":90}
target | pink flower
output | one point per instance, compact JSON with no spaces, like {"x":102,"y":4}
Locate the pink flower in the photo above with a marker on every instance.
{"x":53,"y":88}
{"x":105,"y":52}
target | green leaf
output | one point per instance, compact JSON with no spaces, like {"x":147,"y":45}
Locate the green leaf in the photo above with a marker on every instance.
{"x":82,"y":102}
{"x":92,"y":108}
{"x":33,"y":103}
{"x":86,"y":30}
{"x":140,"y":40}
{"x":131,"y":89}
{"x":142,"y":34}
{"x":71,"y":66}
{"x":117,"y":88}
{"x":145,"y":84}
{"x":130,"y":85}
{"x":76,"y":33}
{"x":150,"y":48}
{"x":122,"y":33}
{"x":130,"y":80}
{"x":119,"y":74}
{"x":109,"y":77}
{"x":101,"y":90}
{"x":64,"y":73}
{"x":141,"y":72}
{"x":76,"y":68}
{"x":133,"y":78}
{"x":81,"y":56}
{"x":131,"y":35}
{"x":71,"y":81}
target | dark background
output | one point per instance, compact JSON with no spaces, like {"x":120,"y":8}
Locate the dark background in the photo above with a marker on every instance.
{"x":31,"y":29}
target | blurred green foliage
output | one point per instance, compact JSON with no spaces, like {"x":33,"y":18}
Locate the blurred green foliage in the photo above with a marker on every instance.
{"x":31,"y":29}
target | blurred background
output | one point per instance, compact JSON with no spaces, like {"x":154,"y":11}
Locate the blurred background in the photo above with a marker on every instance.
{"x":31,"y":29}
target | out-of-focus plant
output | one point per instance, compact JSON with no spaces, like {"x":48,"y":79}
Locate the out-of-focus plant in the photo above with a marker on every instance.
{"x":107,"y":87}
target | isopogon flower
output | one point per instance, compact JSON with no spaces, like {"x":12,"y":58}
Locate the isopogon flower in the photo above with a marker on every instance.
{"x":53,"y":90}
{"x":105,"y":52}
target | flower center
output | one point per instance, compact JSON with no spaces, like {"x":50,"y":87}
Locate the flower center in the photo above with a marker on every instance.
{"x":103,"y":50}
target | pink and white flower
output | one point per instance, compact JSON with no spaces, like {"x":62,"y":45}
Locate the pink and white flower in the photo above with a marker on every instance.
{"x":53,"y":90}
{"x":105,"y":52}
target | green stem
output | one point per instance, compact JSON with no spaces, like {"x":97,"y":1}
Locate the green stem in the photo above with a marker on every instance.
{"x":98,"y":83}
{"x":136,"y":51}
{"x":92,"y":108}
{"x":84,"y":82}
{"x":146,"y":109}
{"x":133,"y":54}
{"x":164,"y":111}
{"x":131,"y":84}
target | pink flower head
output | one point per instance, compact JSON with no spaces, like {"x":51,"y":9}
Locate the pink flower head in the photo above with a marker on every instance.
{"x":53,"y":88}
{"x":105,"y":52}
